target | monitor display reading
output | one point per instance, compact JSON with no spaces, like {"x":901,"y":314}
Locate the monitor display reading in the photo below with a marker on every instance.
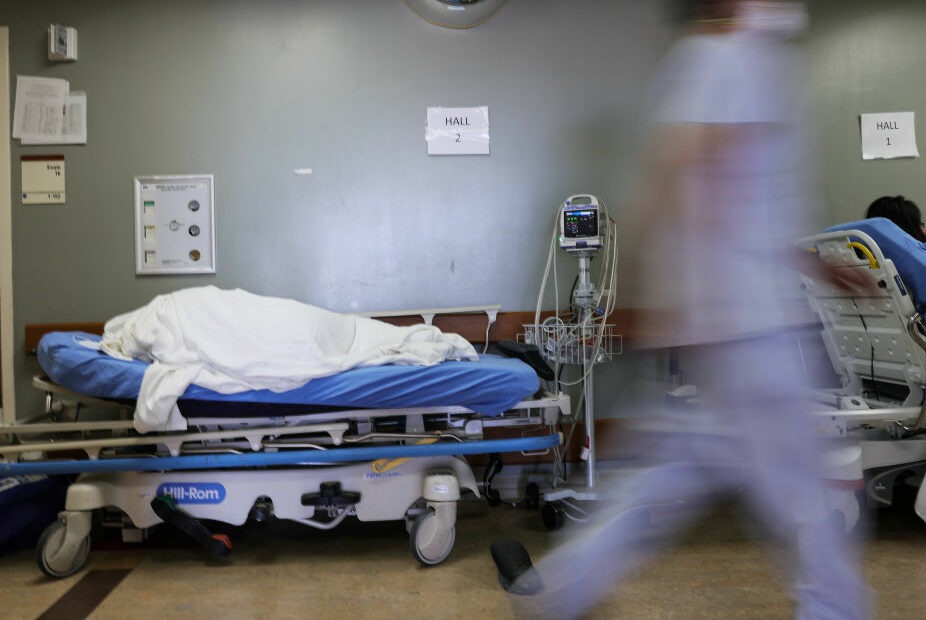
{"x":582,"y":223}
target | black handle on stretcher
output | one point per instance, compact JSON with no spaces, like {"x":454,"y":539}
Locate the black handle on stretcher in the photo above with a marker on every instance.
{"x":529,"y":354}
{"x":216,"y":545}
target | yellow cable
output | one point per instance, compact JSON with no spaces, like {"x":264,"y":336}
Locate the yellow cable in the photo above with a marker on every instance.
{"x":872,"y":261}
{"x":384,"y":465}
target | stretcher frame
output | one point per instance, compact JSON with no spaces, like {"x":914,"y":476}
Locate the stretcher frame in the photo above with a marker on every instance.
{"x":873,"y":339}
{"x":315,"y":468}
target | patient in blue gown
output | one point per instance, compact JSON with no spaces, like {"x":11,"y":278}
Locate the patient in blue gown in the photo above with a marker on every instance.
{"x":902,"y":212}
{"x":895,"y":223}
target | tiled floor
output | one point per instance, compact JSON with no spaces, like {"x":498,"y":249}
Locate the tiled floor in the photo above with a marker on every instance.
{"x":364,"y":570}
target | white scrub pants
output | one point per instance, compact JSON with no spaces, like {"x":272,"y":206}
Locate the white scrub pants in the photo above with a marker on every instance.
{"x":753,"y":438}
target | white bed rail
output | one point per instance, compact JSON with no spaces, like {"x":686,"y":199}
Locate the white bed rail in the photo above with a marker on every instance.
{"x":873,"y":337}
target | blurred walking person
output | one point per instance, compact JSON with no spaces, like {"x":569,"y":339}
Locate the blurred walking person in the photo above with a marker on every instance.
{"x":728,"y":188}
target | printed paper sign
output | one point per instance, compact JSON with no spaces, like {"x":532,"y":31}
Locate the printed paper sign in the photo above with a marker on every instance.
{"x":889,"y":135}
{"x":458,"y":131}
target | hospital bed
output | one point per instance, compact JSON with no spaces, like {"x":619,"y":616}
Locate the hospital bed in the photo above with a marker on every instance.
{"x":376,"y":443}
{"x":877,"y":345}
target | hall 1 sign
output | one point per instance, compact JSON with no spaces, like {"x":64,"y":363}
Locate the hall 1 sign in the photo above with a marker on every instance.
{"x":458,"y":131}
{"x":889,"y":135}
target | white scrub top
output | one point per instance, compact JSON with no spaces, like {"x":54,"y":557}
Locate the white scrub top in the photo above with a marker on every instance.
{"x":725,"y":264}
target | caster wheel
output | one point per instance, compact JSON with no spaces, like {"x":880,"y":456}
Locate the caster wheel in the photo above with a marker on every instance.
{"x":532,"y":496}
{"x":553,"y":515}
{"x":49,"y":557}
{"x":430,"y":542}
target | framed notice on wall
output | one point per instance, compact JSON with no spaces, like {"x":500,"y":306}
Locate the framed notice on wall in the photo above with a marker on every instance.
{"x":174,"y":224}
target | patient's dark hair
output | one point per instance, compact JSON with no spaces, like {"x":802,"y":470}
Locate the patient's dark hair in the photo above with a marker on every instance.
{"x":902,"y":212}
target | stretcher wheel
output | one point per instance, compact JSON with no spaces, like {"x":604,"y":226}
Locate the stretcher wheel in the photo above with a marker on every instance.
{"x":553,"y":515}
{"x":48,"y":556}
{"x":431,"y":542}
{"x":532,"y":495}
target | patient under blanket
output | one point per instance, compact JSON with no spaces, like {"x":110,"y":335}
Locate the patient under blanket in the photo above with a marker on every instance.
{"x":231,"y":341}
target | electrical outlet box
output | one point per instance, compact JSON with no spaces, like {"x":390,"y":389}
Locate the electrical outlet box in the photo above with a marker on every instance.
{"x":62,"y":43}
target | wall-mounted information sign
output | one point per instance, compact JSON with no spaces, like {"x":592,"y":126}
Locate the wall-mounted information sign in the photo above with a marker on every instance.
{"x":174,"y":224}
{"x":42,"y":179}
{"x":458,"y":131}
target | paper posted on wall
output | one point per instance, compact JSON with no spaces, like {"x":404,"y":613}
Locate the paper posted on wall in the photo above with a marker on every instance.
{"x":888,"y":135}
{"x":46,"y":112}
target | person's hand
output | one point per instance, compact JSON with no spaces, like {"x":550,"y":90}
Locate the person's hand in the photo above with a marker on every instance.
{"x":860,"y":281}
{"x":852,"y":280}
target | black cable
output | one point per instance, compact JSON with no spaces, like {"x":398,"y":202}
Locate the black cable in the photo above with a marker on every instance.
{"x":874,"y":385}
{"x":572,"y":291}
{"x":493,"y":497}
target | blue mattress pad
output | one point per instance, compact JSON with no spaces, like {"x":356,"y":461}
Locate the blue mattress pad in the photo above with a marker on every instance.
{"x":489,"y":386}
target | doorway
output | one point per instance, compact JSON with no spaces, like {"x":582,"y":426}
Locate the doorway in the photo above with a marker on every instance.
{"x":7,"y":401}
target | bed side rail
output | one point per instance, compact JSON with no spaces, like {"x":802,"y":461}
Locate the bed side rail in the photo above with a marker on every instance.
{"x":871,"y":339}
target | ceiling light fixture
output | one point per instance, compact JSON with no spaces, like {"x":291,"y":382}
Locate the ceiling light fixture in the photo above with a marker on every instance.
{"x":455,"y":13}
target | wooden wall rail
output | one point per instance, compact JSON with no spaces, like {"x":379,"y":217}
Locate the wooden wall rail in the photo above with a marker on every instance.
{"x":471,"y":326}
{"x":35,"y":331}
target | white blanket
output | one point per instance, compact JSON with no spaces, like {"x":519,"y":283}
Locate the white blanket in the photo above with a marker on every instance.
{"x":231,"y":341}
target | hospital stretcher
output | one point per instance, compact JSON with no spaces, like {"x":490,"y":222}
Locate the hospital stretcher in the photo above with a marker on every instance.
{"x":376,"y":443}
{"x":876,"y":342}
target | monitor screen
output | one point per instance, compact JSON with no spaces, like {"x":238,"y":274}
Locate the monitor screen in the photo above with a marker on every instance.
{"x":583,"y":223}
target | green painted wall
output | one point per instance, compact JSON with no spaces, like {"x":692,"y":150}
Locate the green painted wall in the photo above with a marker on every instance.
{"x":250,"y":90}
{"x":867,"y":56}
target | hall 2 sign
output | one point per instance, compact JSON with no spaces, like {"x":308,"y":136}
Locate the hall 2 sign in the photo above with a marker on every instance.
{"x":458,"y":131}
{"x":889,"y":135}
